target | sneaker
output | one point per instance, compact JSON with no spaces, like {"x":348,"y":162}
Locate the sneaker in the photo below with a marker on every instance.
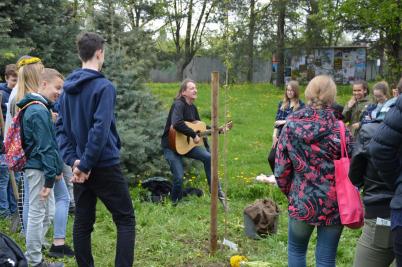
{"x":50,"y":264}
{"x":60,"y":251}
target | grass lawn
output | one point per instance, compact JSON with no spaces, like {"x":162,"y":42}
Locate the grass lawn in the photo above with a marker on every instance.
{"x":178,"y":236}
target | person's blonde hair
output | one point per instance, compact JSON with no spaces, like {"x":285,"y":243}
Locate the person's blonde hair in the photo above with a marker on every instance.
{"x":295,"y":87}
{"x":320,"y":92}
{"x":29,"y":77}
{"x":383,"y":87}
{"x":49,"y":75}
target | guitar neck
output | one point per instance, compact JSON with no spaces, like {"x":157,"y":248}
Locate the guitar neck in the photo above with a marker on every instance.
{"x":205,"y":133}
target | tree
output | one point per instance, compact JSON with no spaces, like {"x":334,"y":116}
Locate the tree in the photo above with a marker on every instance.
{"x":379,"y":23}
{"x":140,"y":13}
{"x":10,"y":48}
{"x":180,"y":13}
{"x":49,"y":32}
{"x":251,"y":32}
{"x":281,"y":9}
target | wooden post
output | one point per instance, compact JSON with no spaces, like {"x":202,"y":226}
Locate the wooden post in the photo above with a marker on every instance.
{"x":214,"y":161}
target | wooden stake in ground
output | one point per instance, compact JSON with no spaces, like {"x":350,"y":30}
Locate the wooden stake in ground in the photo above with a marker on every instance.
{"x":214,"y":161}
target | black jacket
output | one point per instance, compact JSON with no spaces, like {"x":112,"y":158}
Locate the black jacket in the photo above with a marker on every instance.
{"x":181,"y":111}
{"x":385,"y":150}
{"x":376,"y":193}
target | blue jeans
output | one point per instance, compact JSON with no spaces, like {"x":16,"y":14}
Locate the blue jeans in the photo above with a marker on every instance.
{"x":176,"y":167}
{"x":62,"y":202}
{"x":8,"y":205}
{"x":327,"y":243}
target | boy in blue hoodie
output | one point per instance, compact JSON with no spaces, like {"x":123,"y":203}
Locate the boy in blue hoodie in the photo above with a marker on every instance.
{"x":8,"y":204}
{"x":88,"y":141}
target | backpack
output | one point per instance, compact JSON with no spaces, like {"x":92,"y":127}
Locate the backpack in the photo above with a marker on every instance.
{"x":10,"y":253}
{"x":15,"y":154}
{"x":158,"y":188}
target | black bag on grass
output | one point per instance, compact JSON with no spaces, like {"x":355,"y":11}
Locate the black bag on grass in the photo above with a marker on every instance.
{"x":10,"y":253}
{"x":158,"y":187}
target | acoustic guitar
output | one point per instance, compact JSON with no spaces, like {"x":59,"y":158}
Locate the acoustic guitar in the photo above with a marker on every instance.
{"x":182,"y":144}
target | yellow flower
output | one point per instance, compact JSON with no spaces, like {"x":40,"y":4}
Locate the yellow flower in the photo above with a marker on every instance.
{"x":236,"y":260}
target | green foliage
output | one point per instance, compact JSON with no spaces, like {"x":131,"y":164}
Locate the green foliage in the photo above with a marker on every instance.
{"x":10,"y":48}
{"x":378,"y":22}
{"x":46,"y":27}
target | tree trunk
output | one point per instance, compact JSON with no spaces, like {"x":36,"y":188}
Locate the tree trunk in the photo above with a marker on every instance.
{"x":381,"y":53}
{"x":280,"y":75}
{"x":251,"y":33}
{"x":180,"y":70}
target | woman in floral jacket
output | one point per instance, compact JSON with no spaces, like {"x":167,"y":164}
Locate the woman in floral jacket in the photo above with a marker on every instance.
{"x":305,"y":173}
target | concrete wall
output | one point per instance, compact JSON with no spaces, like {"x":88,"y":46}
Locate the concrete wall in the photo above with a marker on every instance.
{"x":200,"y":69}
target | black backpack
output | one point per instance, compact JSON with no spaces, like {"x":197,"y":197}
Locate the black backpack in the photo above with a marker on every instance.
{"x":10,"y":253}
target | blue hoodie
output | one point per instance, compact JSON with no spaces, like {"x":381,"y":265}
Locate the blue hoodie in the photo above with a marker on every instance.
{"x":5,"y":91}
{"x":86,"y":125}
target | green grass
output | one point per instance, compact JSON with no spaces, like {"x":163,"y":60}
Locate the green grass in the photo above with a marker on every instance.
{"x":179,"y":236}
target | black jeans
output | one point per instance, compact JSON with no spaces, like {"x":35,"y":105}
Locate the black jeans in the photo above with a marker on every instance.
{"x":109,"y":185}
{"x":271,"y":158}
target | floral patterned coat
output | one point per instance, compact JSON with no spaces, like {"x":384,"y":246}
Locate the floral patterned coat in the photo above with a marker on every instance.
{"x":304,"y":166}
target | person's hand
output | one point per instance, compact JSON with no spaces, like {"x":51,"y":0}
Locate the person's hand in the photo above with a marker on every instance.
{"x":279,"y":123}
{"x":352,"y":102}
{"x":395,"y":92}
{"x":59,"y":177}
{"x":54,"y":116}
{"x":197,"y":139}
{"x":44,"y":193}
{"x":274,"y":140}
{"x":355,"y":126}
{"x":79,"y":176}
{"x":76,"y":163}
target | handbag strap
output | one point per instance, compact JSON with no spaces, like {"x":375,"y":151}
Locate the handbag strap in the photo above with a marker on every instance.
{"x":344,"y":151}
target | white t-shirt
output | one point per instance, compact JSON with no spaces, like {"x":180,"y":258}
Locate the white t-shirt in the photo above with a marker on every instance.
{"x":9,"y":118}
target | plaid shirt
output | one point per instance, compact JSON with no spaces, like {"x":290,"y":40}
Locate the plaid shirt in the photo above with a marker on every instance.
{"x":282,"y":114}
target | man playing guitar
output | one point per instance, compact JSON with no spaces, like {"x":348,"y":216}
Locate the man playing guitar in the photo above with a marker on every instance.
{"x":183,"y":110}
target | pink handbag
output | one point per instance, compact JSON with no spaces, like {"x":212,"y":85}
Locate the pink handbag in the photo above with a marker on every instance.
{"x":349,"y":202}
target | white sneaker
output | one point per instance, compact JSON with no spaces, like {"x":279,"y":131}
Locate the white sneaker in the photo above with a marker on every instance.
{"x":266,"y":179}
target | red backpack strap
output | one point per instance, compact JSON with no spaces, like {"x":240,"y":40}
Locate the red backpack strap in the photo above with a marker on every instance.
{"x":27,"y":105}
{"x":32,"y":103}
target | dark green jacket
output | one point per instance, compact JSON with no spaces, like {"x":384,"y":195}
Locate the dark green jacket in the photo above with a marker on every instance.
{"x":353,"y":114}
{"x":39,"y":138}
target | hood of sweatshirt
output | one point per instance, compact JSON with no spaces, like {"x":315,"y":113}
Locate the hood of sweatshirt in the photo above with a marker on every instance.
{"x":32,"y":97}
{"x":4,"y":87}
{"x":77,"y":80}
